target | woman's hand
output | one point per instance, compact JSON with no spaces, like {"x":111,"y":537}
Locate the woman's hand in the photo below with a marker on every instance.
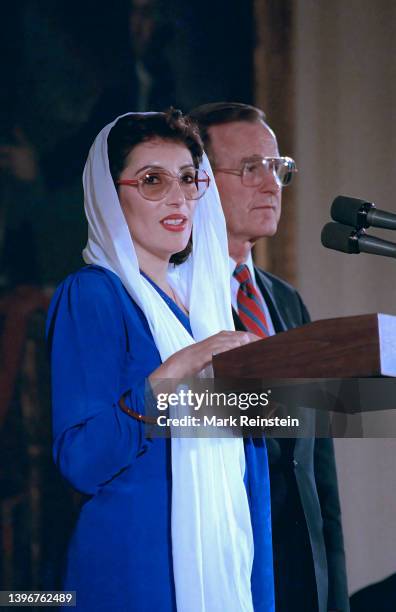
{"x":193,"y":358}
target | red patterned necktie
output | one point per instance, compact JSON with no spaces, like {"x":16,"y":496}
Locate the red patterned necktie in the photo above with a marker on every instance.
{"x":250,"y":310}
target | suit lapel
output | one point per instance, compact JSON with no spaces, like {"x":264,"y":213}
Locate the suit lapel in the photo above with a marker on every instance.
{"x":239,"y":326}
{"x":264,"y":283}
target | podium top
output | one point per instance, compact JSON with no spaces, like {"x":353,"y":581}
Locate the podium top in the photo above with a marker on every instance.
{"x":358,"y":347}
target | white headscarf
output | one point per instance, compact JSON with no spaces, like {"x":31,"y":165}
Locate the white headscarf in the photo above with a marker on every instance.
{"x":212,"y":542}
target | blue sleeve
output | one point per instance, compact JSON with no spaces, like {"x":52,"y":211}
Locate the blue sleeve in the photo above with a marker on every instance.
{"x":93,"y":439}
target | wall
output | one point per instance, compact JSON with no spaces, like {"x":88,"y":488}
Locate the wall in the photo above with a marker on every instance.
{"x":345,"y":75}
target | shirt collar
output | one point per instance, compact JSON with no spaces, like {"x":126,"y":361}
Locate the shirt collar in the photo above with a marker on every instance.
{"x":248,"y":262}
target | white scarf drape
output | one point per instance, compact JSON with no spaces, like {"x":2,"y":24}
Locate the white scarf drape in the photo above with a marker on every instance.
{"x":212,"y":542}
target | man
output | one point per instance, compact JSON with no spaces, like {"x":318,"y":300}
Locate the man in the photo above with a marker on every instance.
{"x":309,"y":560}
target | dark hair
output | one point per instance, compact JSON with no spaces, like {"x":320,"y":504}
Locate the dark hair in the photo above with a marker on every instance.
{"x":131,"y":130}
{"x":217,"y":113}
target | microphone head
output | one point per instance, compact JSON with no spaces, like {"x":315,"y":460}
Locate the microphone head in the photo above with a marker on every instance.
{"x":351,"y":211}
{"x":340,"y":238}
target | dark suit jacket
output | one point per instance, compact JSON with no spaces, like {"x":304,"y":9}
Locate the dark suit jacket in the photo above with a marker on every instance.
{"x":309,"y":557}
{"x":380,"y":597}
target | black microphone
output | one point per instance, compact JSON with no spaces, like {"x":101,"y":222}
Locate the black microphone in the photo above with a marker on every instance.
{"x":359,"y":214}
{"x":343,"y":238}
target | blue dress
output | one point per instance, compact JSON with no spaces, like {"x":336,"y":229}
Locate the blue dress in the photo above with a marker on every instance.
{"x":120,"y":555}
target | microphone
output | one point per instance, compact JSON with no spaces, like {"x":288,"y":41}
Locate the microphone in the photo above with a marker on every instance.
{"x":343,"y":238}
{"x":359,"y":214}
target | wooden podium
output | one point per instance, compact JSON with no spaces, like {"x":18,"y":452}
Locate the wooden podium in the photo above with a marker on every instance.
{"x":345,"y":365}
{"x":348,"y":347}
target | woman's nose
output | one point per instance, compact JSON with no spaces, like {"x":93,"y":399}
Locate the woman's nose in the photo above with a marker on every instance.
{"x":176,"y":194}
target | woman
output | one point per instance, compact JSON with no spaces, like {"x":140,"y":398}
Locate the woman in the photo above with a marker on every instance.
{"x":169,"y":525}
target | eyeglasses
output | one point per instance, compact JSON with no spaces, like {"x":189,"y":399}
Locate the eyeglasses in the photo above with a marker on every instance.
{"x":155,"y":184}
{"x":255,"y":170}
